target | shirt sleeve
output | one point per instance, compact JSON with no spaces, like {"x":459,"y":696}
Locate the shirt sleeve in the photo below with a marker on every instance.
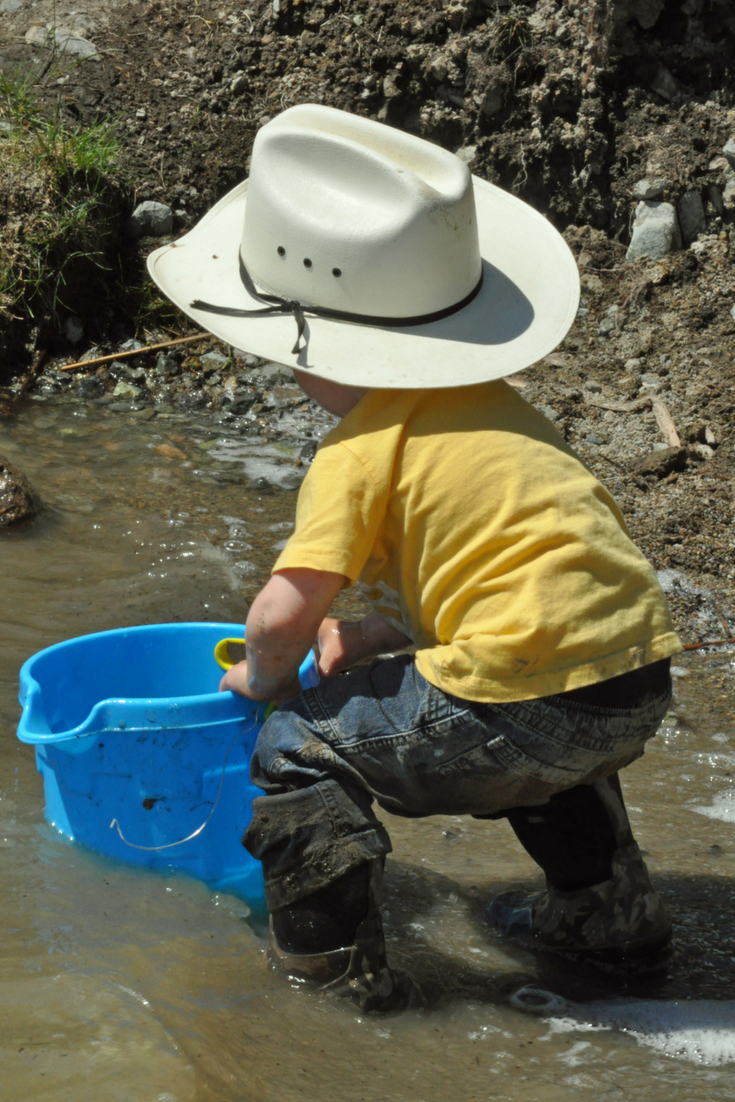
{"x":339,"y":513}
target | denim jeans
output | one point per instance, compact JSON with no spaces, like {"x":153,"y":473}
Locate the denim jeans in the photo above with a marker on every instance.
{"x":384,"y":734}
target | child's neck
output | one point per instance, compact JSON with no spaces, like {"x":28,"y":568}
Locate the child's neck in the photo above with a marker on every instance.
{"x":336,"y":398}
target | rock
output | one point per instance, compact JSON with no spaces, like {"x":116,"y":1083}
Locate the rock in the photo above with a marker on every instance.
{"x":239,"y":401}
{"x":290,"y":394}
{"x":90,"y":387}
{"x":167,"y":364}
{"x":728,"y":150}
{"x":10,"y":6}
{"x":665,"y":84}
{"x":491,"y":102}
{"x":701,"y":451}
{"x":607,"y":325}
{"x":36,"y":36}
{"x":191,"y":399}
{"x":692,"y":221}
{"x":467,"y":153}
{"x":132,"y":374}
{"x":274,"y":373}
{"x":246,"y":358}
{"x":66,"y":41}
{"x":75,"y":46}
{"x":123,"y":369}
{"x":438,"y":68}
{"x":150,"y":218}
{"x":130,"y":346}
{"x":655,"y":231}
{"x":212,"y":361}
{"x":728,"y":192}
{"x":649,"y":189}
{"x":715,"y":197}
{"x":126,"y":390}
{"x":650,"y":383}
{"x":168,"y":451}
{"x":646,"y":12}
{"x":661,"y":463}
{"x":238,"y":84}
{"x":732,"y":312}
{"x":17,"y":498}
{"x":73,"y":329}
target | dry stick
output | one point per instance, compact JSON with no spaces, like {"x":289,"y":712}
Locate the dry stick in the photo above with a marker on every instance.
{"x":136,"y":351}
{"x":620,"y":406}
{"x":664,"y":419}
{"x":709,"y":643}
{"x":665,"y":422}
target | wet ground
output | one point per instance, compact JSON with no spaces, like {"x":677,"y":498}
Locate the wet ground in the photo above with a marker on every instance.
{"x":128,"y":985}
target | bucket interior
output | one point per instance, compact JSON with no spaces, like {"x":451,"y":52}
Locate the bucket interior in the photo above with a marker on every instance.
{"x":164,"y":661}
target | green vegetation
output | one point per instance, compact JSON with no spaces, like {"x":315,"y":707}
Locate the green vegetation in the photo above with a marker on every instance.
{"x":514,"y":32}
{"x":57,"y":202}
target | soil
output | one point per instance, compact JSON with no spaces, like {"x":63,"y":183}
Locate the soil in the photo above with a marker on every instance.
{"x":568,"y":106}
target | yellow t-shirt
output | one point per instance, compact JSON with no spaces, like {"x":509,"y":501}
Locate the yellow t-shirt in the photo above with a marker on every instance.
{"x":473,"y":526}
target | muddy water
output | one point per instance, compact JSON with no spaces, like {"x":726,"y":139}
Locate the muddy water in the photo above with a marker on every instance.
{"x":128,"y":985}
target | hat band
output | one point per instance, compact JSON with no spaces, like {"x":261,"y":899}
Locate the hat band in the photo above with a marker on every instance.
{"x":278,"y":306}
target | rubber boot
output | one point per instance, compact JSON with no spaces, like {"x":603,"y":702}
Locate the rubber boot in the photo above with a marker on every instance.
{"x":599,"y":903}
{"x":358,"y":970}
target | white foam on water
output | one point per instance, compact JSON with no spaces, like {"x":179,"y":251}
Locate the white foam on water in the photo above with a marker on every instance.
{"x":722,"y":807}
{"x":700,"y":1031}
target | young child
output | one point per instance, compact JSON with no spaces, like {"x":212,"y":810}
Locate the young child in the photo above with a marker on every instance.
{"x":541,"y":639}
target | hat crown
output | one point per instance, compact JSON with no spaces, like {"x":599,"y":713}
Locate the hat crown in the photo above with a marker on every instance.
{"x":352,"y":215}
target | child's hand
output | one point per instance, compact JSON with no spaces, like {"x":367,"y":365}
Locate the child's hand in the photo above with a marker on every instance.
{"x":238,"y":680}
{"x":340,"y":646}
{"x":342,"y":643}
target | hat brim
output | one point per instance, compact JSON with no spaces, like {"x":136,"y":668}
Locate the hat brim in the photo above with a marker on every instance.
{"x":526,"y":305}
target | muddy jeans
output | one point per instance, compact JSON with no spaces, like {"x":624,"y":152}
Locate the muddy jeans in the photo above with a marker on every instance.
{"x":383,"y":733}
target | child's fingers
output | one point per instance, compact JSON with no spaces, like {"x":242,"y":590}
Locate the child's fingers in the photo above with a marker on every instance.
{"x":236,"y":678}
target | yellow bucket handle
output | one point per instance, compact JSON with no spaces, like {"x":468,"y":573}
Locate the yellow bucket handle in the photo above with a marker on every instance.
{"x":222,"y":653}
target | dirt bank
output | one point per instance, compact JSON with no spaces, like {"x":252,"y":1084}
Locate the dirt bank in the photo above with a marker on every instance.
{"x":569,"y":106}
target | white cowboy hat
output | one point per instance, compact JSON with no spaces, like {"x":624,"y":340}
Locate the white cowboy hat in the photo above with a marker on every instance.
{"x":396,"y":267}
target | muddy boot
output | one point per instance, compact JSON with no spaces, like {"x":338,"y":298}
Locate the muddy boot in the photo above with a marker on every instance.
{"x":319,"y":939}
{"x":599,"y":903}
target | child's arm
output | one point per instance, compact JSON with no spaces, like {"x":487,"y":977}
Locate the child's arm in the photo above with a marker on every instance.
{"x":342,"y":643}
{"x":282,"y":624}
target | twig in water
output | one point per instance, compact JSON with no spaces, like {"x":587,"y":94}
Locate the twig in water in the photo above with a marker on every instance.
{"x":136,"y":352}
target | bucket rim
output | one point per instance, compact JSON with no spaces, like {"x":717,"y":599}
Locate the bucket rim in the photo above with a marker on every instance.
{"x":31,"y":697}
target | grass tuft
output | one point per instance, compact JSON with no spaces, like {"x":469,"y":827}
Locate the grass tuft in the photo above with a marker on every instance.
{"x":514,"y":32}
{"x":56,"y":202}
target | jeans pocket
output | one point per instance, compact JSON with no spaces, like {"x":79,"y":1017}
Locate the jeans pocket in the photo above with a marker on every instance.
{"x":518,"y":761}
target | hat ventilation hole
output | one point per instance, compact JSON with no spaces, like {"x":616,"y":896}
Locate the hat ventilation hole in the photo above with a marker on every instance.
{"x":307,"y":262}
{"x":337,"y":272}
{"x":281,"y":251}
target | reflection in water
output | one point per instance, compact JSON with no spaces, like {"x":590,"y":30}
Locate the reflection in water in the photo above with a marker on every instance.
{"x":121,"y":984}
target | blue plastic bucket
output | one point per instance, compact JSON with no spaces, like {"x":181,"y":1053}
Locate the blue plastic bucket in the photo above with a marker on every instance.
{"x":142,"y":758}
